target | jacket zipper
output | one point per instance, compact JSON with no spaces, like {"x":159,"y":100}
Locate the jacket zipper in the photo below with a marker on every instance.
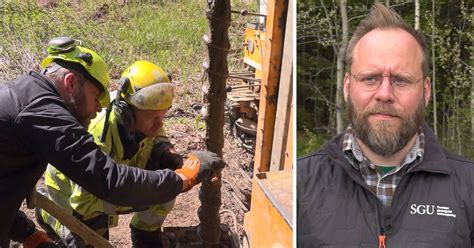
{"x":364,"y":185}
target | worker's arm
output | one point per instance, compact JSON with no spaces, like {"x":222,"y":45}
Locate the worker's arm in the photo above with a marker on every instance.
{"x":48,"y":127}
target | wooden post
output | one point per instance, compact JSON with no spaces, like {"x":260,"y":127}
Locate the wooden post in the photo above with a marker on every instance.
{"x":285,"y":98}
{"x":218,"y":15}
{"x":275,"y":30}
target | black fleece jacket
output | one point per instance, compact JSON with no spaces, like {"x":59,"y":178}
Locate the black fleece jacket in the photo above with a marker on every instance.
{"x":433,"y":205}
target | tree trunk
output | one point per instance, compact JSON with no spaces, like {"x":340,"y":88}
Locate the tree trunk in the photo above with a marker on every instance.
{"x":340,"y":67}
{"x":334,"y":47}
{"x":417,"y":15}
{"x":472,"y":97}
{"x":218,"y":15}
{"x":457,"y":124}
{"x":433,"y":62}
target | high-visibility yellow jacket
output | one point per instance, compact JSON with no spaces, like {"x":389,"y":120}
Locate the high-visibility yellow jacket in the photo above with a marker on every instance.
{"x":116,"y":142}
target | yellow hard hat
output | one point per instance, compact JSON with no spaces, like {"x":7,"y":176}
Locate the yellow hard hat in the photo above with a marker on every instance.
{"x":64,"y":49}
{"x":150,"y":86}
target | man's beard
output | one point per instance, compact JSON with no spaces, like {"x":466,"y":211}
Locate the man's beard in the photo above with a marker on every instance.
{"x":384,"y":137}
{"x":77,"y":104}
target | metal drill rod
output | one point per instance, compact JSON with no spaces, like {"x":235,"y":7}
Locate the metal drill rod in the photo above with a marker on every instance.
{"x":245,"y":12}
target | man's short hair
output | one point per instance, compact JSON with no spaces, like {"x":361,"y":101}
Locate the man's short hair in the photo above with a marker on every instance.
{"x":57,"y":73}
{"x":75,"y":68}
{"x":384,"y":18}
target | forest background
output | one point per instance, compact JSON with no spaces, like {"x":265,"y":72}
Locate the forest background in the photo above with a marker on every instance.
{"x":323,"y":30}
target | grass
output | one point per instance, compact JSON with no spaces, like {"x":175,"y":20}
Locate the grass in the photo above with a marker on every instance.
{"x":168,"y":33}
{"x":308,"y":142}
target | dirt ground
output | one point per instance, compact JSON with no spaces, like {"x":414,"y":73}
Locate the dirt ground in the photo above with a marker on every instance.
{"x":236,"y":182}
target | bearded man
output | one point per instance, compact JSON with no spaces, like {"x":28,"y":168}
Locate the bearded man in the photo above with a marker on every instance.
{"x":386,"y":181}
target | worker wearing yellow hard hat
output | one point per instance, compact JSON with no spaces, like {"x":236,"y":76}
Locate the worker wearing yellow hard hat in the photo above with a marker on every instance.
{"x":64,"y":51}
{"x":150,"y":86}
{"x":44,"y":119}
{"x":131,"y":131}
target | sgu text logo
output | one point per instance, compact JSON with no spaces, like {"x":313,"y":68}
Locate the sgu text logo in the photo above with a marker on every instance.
{"x":422,"y":209}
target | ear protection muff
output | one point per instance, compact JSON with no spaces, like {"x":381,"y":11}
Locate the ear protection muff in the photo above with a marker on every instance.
{"x":124,"y":112}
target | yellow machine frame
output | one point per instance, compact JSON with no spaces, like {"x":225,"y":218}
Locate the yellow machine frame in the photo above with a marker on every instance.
{"x":269,"y":223}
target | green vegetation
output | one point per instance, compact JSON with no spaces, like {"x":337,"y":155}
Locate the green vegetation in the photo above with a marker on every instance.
{"x":447,"y":26}
{"x":163,"y":33}
{"x":168,"y":33}
{"x":309,"y":142}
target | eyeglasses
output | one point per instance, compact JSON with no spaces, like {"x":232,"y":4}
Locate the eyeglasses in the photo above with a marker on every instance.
{"x":370,"y":80}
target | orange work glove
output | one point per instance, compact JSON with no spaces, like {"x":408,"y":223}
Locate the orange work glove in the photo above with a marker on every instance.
{"x":38,"y":239}
{"x":199,"y":166}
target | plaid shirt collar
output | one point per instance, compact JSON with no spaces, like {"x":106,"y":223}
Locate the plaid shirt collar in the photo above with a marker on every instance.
{"x":383,"y":185}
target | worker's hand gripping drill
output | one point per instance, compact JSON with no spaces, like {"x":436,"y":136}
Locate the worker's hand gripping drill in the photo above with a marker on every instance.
{"x":199,"y":166}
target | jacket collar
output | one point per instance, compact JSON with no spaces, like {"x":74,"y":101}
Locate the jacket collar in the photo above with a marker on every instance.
{"x":45,"y":81}
{"x":434,"y":160}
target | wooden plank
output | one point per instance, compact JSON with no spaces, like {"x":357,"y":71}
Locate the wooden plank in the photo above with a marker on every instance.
{"x":285,"y":96}
{"x":272,"y":58}
{"x":243,"y":94}
{"x":242,"y":99}
{"x":288,"y":163}
{"x":87,"y":234}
